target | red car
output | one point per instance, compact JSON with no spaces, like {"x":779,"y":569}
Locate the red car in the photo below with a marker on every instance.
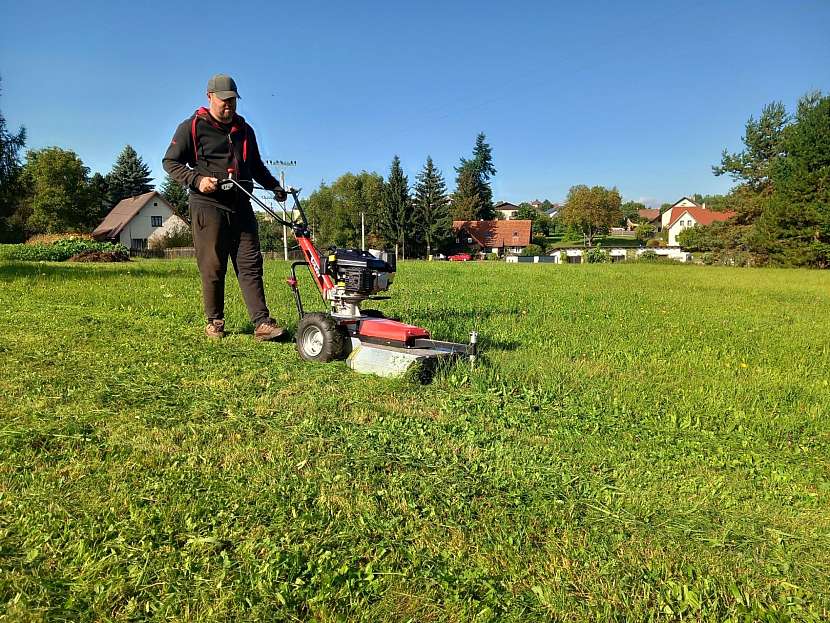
{"x":460,"y":257}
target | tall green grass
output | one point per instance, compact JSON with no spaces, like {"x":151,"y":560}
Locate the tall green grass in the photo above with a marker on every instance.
{"x":638,"y":443}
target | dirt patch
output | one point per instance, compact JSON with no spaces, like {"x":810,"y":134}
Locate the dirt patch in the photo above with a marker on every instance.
{"x":100,"y":256}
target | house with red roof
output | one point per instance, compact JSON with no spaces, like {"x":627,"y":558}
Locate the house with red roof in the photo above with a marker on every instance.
{"x":503,"y":237}
{"x":670,"y":216}
{"x":685,"y":217}
{"x":136,"y":221}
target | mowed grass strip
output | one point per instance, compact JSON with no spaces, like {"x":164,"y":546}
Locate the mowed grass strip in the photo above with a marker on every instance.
{"x":639,"y":442}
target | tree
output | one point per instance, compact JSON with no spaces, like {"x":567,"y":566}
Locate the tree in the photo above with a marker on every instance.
{"x":473,"y":190}
{"x":396,"y":218}
{"x":630,"y":211}
{"x":466,"y":201}
{"x":483,"y":159}
{"x":797,"y":222}
{"x":431,"y":213}
{"x":592,"y":209}
{"x":11,"y":187}
{"x":762,"y":141}
{"x":541,"y":223}
{"x":644,"y":231}
{"x":130,"y":176}
{"x":335,"y":211}
{"x":61,"y":198}
{"x":176,"y":195}
{"x":99,"y":190}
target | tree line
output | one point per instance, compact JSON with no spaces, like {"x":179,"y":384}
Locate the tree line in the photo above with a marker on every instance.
{"x":52,"y":191}
{"x":782,"y":192}
{"x":415,"y":219}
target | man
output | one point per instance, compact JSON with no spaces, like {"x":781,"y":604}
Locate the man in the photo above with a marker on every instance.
{"x":213,"y":143}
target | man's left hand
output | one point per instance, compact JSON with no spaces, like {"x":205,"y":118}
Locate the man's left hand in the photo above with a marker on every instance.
{"x":280,"y":194}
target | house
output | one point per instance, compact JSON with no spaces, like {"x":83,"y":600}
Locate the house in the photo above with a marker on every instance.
{"x":667,"y":216}
{"x":506,"y":209}
{"x":136,"y":221}
{"x":643,"y":216}
{"x":510,"y":237}
{"x":689,"y":217}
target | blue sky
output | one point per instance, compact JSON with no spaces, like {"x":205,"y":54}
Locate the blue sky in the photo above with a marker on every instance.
{"x":641,"y":95}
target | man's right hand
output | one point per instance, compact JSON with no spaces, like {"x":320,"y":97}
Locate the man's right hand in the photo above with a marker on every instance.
{"x":208,"y":184}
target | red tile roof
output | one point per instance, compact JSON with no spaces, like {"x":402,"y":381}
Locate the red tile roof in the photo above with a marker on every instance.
{"x":120,"y":215}
{"x":496,"y":233}
{"x":701,"y":216}
{"x":648,"y":215}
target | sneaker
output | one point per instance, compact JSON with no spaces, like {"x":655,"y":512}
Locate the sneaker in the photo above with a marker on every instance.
{"x":215,"y":329}
{"x":268,"y":330}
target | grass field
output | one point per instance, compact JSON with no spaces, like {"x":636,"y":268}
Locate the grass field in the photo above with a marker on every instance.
{"x":642,"y":442}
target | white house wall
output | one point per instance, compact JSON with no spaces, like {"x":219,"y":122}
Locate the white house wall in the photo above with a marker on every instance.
{"x":140,"y":227}
{"x":684,"y":222}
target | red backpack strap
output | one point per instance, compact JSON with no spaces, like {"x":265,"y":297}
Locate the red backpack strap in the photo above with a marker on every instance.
{"x":245,"y":145}
{"x":193,"y":135}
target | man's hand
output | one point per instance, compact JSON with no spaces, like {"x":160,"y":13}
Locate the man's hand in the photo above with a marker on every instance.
{"x":280,"y":194}
{"x":208,"y":184}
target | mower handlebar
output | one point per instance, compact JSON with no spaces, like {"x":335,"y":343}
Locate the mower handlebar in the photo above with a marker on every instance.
{"x":229,"y":183}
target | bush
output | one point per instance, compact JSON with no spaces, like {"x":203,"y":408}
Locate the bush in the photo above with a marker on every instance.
{"x":597,"y":256}
{"x":178,"y":236}
{"x":532,"y":250}
{"x":644,"y":231}
{"x":59,"y":251}
{"x":656,"y":243}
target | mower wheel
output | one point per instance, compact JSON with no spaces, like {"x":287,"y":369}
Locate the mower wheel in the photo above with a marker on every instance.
{"x":320,"y":339}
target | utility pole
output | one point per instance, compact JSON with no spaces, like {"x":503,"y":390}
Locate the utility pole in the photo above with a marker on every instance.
{"x":282,"y":164}
{"x":362,"y":231}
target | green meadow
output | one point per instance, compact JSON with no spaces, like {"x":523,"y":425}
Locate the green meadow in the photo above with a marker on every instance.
{"x":637,"y":443}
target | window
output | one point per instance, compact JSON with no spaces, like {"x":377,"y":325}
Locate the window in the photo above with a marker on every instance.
{"x":138,"y":244}
{"x":155,"y":221}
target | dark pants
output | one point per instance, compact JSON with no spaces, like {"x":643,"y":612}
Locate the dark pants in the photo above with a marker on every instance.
{"x":218,"y":235}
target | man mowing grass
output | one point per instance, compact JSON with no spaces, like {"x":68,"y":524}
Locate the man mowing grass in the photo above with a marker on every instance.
{"x":206,"y":147}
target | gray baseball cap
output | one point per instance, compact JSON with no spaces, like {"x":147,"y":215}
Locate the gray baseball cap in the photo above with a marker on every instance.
{"x":223,"y":86}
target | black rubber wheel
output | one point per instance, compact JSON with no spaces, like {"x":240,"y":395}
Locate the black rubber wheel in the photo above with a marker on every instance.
{"x":320,"y":339}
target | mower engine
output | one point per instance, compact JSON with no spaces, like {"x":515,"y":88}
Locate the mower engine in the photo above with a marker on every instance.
{"x":357,"y":275}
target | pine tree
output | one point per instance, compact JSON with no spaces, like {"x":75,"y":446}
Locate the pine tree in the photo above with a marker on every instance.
{"x":129,"y":177}
{"x":396,"y":217}
{"x":176,"y":195}
{"x":466,"y":200}
{"x":473,"y":196}
{"x":431,"y":213}
{"x":11,"y":187}
{"x":483,"y":158}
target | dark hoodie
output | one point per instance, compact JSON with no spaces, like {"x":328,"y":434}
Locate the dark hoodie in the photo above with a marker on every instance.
{"x":217,"y":148}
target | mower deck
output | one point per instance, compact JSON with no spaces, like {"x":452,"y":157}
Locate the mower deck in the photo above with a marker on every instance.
{"x":392,"y":361}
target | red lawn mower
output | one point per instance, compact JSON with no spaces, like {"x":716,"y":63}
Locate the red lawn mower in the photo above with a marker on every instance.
{"x":346,"y":278}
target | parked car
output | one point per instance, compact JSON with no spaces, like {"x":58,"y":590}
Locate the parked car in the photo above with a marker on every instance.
{"x":460,"y":257}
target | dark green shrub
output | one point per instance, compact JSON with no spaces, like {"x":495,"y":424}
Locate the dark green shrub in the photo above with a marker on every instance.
{"x":597,"y":256}
{"x":533,"y":250}
{"x":59,"y":251}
